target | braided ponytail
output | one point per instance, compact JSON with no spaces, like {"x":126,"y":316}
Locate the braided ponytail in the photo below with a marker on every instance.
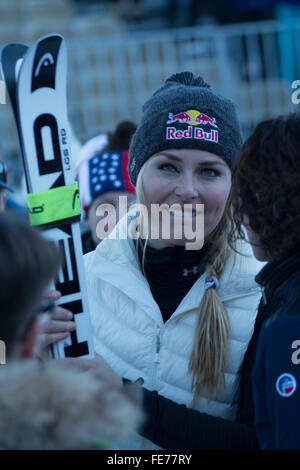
{"x":210,"y":349}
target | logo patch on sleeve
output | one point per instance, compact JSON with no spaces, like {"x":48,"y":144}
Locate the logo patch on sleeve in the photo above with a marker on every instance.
{"x":286,"y":385}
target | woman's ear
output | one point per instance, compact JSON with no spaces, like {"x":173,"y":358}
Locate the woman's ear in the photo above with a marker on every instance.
{"x":31,"y":345}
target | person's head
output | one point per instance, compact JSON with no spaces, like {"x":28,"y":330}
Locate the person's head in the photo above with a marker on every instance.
{"x":182,"y":153}
{"x":183,"y":149}
{"x":3,"y":186}
{"x":265,"y":190}
{"x":27,"y":264}
{"x":103,"y":179}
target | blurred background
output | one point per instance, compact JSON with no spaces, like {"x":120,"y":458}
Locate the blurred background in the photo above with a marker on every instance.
{"x":120,"y":51}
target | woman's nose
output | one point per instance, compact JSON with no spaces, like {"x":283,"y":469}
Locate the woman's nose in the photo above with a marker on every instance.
{"x":186,"y":187}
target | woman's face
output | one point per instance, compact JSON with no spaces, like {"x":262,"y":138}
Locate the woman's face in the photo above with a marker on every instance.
{"x":187,"y":177}
{"x":254,"y":240}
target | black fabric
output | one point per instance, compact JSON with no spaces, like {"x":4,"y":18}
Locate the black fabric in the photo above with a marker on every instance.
{"x":169,"y":267}
{"x":278,"y":272}
{"x":173,"y":426}
{"x":245,"y":411}
{"x":87,"y":242}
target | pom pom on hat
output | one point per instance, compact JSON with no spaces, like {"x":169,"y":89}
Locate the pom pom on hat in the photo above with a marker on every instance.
{"x":189,"y":79}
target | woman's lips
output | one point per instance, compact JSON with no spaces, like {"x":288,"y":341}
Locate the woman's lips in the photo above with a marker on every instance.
{"x":186,"y":212}
{"x":180,"y":213}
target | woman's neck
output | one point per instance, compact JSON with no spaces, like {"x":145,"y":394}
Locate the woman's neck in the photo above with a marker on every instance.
{"x":159,"y":244}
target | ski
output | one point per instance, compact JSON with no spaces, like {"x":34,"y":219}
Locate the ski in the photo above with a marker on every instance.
{"x":36,"y":79}
{"x":11,"y":60}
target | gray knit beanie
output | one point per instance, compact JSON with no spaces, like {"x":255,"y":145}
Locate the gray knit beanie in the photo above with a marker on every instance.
{"x":185,"y":114}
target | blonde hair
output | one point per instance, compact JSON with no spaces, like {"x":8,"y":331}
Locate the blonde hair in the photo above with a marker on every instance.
{"x":211,"y":342}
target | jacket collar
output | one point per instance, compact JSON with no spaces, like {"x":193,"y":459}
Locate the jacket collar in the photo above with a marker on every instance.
{"x":277,"y":271}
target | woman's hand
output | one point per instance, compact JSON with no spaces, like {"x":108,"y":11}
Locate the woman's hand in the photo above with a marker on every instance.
{"x":98,"y":366}
{"x":60,"y":325}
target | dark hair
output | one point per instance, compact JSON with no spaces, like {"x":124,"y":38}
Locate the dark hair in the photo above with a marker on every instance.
{"x":120,"y":138}
{"x":266,"y":185}
{"x":27,"y":263}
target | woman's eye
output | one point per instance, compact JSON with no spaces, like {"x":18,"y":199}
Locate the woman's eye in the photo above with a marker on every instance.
{"x":167,"y":167}
{"x":209,"y":172}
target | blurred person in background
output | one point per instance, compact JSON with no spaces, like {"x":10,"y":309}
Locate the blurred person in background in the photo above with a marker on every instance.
{"x":16,"y":198}
{"x":3,"y":186}
{"x":45,"y":405}
{"x":102,"y":173}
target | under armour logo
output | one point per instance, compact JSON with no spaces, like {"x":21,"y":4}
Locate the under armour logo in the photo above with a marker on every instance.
{"x":193,"y":270}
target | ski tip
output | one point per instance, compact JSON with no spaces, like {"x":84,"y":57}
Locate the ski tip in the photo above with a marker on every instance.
{"x":17,"y":46}
{"x":50,"y":36}
{"x":13,"y":44}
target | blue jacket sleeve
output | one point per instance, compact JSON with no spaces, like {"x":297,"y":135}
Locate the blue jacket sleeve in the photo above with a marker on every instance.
{"x":276,"y":384}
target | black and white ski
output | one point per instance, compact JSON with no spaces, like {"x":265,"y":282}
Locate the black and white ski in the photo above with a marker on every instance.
{"x":36,"y":79}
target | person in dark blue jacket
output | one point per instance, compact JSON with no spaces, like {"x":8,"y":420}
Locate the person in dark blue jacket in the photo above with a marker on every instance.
{"x":266,"y":201}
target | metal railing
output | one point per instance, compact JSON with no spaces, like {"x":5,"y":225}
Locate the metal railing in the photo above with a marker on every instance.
{"x":110,"y":78}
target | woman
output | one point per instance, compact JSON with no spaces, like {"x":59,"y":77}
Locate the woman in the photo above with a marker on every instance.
{"x":266,"y":198}
{"x":180,"y":319}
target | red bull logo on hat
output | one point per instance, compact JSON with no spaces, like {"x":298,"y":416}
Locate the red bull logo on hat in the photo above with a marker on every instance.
{"x":180,"y":117}
{"x":193,"y":117}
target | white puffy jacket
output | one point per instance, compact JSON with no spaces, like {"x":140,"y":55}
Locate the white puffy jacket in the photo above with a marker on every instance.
{"x":130,"y":334}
